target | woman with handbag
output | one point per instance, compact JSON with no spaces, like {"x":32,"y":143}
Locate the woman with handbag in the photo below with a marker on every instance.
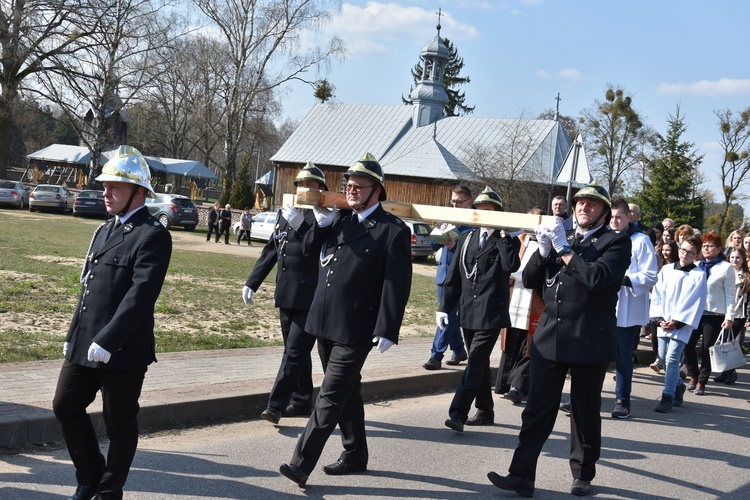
{"x":738,"y":260}
{"x":718,"y":314}
{"x":677,"y":303}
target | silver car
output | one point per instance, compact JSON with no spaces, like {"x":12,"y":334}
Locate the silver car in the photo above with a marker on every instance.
{"x":263,"y":226}
{"x":51,"y":196}
{"x":421,"y":243}
{"x":13,"y":193}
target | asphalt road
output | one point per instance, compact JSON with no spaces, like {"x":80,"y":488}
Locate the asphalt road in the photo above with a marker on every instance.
{"x":697,"y":451}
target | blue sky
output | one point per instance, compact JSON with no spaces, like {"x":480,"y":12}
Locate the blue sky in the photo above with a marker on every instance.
{"x":520,"y":54}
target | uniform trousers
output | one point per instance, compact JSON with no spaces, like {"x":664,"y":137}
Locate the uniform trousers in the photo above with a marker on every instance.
{"x":546,"y":381}
{"x":76,"y":389}
{"x":339,"y":402}
{"x":294,"y":379}
{"x":476,"y":383}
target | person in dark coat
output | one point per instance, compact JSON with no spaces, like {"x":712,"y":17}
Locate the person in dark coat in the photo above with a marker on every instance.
{"x":110,"y":342}
{"x":364,"y":281}
{"x":479,"y":281}
{"x":213,"y":222}
{"x":581,"y":273}
{"x":296,"y":279}
{"x":225,"y":224}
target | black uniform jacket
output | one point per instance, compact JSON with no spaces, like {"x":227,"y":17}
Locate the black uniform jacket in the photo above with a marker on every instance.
{"x":296,"y":273}
{"x":579,"y":319}
{"x":483,"y":294}
{"x":121,"y":282}
{"x":364,"y":278}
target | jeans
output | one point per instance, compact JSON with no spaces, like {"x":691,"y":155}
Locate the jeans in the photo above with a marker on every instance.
{"x":670,"y":351}
{"x":624,"y":363}
{"x":450,"y":336}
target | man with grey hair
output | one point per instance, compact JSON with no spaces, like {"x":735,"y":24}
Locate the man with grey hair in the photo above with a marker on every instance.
{"x":634,"y":217}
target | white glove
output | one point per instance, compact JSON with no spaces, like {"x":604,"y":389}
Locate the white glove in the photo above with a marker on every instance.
{"x":542,"y":239}
{"x":247,"y":295}
{"x":65,"y":348}
{"x":558,"y":236}
{"x":325,"y":217}
{"x":382,"y":344}
{"x":294,"y":217}
{"x":98,"y":353}
{"x":441,"y":319}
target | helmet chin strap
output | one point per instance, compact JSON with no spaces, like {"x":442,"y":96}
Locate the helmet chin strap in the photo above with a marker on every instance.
{"x":126,"y":208}
{"x":367,"y":201}
{"x":596,"y":221}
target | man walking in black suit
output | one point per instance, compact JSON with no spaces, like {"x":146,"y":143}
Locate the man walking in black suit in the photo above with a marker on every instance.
{"x":364,"y":280}
{"x":110,"y":342}
{"x":479,"y":280}
{"x":581,"y":272}
{"x":296,"y":279}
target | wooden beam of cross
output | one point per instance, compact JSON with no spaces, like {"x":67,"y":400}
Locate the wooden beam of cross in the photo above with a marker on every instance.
{"x":308,"y":198}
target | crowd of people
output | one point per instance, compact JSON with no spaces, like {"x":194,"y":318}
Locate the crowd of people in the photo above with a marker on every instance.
{"x":566,"y":301}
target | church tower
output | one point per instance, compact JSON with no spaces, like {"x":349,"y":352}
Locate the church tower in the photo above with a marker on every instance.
{"x":429,"y":96}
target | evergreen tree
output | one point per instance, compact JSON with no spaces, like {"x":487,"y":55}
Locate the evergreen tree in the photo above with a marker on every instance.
{"x":671,"y":189}
{"x":452,"y":79}
{"x":242,"y":188}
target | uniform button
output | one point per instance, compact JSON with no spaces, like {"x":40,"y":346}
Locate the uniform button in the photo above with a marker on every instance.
{"x":88,"y":292}
{"x":91,"y":276}
{"x":335,"y":259}
{"x":328,"y":285}
{"x":331,"y":271}
{"x":96,"y":261}
{"x":283,"y":268}
{"x":559,"y":320}
{"x":83,"y":308}
{"x":559,"y":301}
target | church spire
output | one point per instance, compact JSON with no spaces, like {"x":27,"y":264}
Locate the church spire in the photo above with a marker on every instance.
{"x":429,"y":96}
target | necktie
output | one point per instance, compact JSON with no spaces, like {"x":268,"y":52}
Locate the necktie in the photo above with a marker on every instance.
{"x":483,"y":239}
{"x":578,"y":239}
{"x":118,"y":223}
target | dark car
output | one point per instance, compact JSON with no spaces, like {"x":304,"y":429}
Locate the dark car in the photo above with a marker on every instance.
{"x":13,"y":193}
{"x":173,"y":210}
{"x":90,"y":202}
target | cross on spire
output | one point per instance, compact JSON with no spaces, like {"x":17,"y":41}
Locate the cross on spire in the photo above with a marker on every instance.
{"x":439,"y":14}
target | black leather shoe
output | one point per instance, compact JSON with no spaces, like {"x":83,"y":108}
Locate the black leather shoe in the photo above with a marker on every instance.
{"x":432,"y":364}
{"x":581,"y":488}
{"x":480,"y":419}
{"x":731,"y":377}
{"x":521,"y":485}
{"x":297,"y":411}
{"x":456,"y":360}
{"x":455,"y":424}
{"x":293,"y":472}
{"x":84,"y":492}
{"x":514,"y":395}
{"x":340,"y":467}
{"x":271,"y":415}
{"x":565,"y":408}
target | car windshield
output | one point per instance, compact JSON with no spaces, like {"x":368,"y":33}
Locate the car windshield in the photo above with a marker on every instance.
{"x":421,"y":229}
{"x":90,"y":194}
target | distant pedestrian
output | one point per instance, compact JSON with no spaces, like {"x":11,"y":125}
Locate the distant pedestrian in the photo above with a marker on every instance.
{"x":246,"y":225}
{"x":225,"y":217}
{"x":213,"y":221}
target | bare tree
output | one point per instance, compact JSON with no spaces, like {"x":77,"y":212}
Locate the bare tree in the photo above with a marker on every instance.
{"x":33,"y":35}
{"x":615,"y":138}
{"x":263,"y":44}
{"x":511,"y":167}
{"x":735,"y":142}
{"x":102,"y":79}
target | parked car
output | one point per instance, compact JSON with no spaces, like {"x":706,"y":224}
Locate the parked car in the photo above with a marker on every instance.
{"x":421,"y":247}
{"x":263,"y":226}
{"x":14,"y":193}
{"x":51,"y":196}
{"x":173,"y":210}
{"x":90,"y":202}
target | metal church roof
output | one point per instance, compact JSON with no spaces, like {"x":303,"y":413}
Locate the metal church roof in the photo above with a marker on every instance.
{"x":338,"y":134}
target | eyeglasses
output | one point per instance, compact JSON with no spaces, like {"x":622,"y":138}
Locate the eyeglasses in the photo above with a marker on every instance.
{"x":459,"y":202}
{"x":355,"y":188}
{"x":686,"y":252}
